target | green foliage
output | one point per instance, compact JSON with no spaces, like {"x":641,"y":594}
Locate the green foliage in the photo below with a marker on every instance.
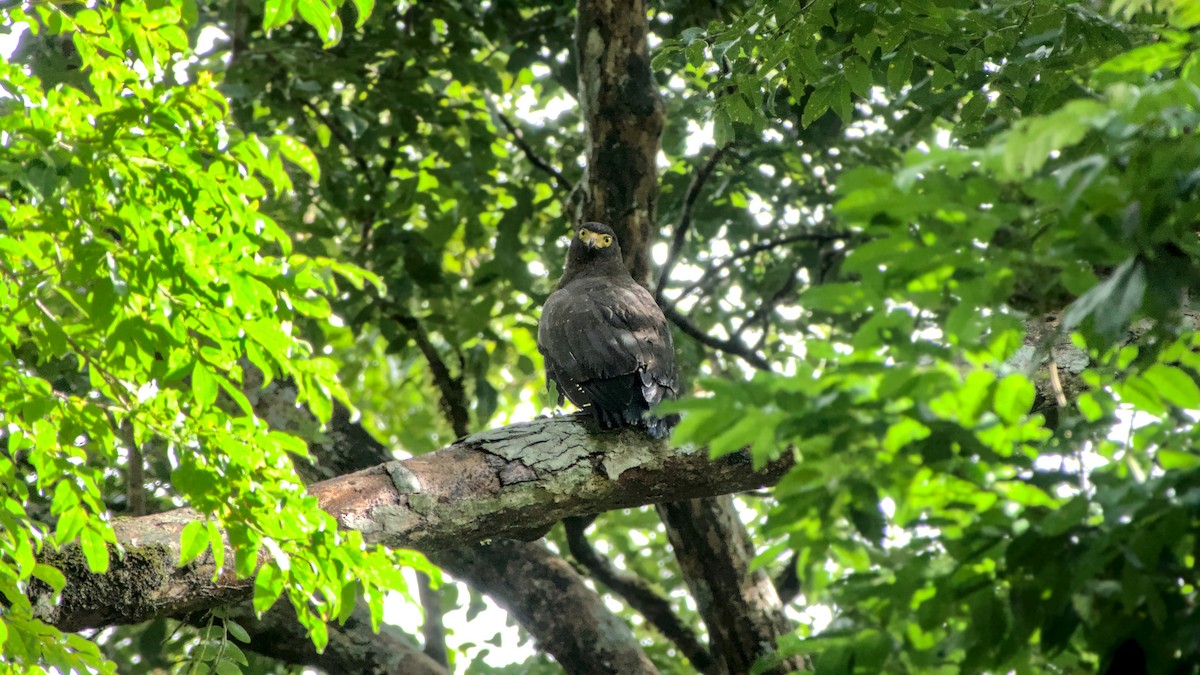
{"x":140,"y":277}
{"x":908,"y":188}
{"x":950,"y":521}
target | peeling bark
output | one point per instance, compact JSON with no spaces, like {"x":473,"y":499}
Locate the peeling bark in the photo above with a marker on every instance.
{"x":346,"y":447}
{"x":623,"y":115}
{"x":504,"y":482}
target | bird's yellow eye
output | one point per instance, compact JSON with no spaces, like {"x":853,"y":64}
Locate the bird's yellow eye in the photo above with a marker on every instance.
{"x":608,"y":240}
{"x":584,"y":233}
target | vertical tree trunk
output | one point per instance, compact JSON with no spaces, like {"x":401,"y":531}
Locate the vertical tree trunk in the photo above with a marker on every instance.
{"x":623,"y":114}
{"x":624,"y":118}
{"x":741,"y":608}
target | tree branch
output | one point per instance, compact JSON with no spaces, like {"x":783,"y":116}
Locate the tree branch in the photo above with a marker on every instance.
{"x":734,"y":346}
{"x":499,"y":483}
{"x":550,"y":600}
{"x":744,"y":616}
{"x":523,"y":145}
{"x":685,"y":218}
{"x":454,"y":397}
{"x":594,"y":634}
{"x":712,"y":271}
{"x":762,"y":313}
{"x":638,"y":593}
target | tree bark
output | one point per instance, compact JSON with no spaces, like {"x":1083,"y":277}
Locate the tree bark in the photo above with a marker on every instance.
{"x":741,"y":608}
{"x":623,"y":115}
{"x":549,"y":599}
{"x":592,"y":631}
{"x":352,"y":648}
{"x":624,"y":120}
{"x":505,"y":482}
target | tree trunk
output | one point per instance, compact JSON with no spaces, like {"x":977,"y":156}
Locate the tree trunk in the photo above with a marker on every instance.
{"x":741,"y":608}
{"x":623,"y":115}
{"x":551,"y":601}
{"x":624,"y":121}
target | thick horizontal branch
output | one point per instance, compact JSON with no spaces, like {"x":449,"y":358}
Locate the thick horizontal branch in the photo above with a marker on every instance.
{"x":509,"y":482}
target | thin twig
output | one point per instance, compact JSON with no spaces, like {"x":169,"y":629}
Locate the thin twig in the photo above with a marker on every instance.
{"x":640,"y":595}
{"x":685,"y":218}
{"x":734,"y":347}
{"x":1060,"y":396}
{"x":454,"y":398}
{"x":519,"y":140}
{"x":769,"y":304}
{"x":711,"y":272}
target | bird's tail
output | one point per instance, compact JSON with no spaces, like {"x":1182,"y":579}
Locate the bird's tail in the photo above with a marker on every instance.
{"x":659,"y":428}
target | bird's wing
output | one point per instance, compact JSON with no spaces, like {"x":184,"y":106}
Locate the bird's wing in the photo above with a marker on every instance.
{"x":600,"y":329}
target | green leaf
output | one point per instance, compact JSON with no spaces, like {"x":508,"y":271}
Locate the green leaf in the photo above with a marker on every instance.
{"x":51,"y":576}
{"x":858,"y":74}
{"x":217,"y":543}
{"x":899,"y":69}
{"x":95,"y":550}
{"x":276,"y":13}
{"x":364,"y":9}
{"x":323,"y":18}
{"x":235,"y":629}
{"x":1013,"y":398}
{"x":299,"y":154}
{"x":268,"y":586}
{"x":1176,"y":460}
{"x":69,"y":525}
{"x":1174,"y":385}
{"x":817,"y":104}
{"x":204,"y":386}
{"x":1112,"y":303}
{"x":193,"y":542}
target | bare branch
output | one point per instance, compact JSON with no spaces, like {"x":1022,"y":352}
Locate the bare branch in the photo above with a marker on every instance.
{"x":454,"y":397}
{"x":638,"y":593}
{"x":735,"y":346}
{"x":534,"y":158}
{"x":713,"y":270}
{"x":685,"y":218}
{"x":768,"y":305}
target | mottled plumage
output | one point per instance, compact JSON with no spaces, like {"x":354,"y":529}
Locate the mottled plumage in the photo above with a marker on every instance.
{"x":605,"y":341}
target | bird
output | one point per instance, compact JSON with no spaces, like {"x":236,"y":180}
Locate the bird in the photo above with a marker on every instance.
{"x":605,"y":341}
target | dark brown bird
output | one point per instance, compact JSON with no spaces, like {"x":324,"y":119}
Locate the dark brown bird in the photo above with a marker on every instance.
{"x":605,"y":341}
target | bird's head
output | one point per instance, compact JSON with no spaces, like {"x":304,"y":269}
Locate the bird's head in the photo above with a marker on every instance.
{"x":594,"y":251}
{"x":595,"y":240}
